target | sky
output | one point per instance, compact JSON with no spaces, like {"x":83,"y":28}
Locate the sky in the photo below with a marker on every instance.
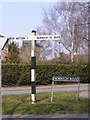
{"x":20,"y":18}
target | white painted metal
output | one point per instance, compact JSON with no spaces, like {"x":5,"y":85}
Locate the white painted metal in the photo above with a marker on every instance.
{"x":33,"y":98}
{"x":32,"y":53}
{"x":48,"y":37}
{"x":32,"y":75}
{"x":33,"y":45}
{"x":24,"y":38}
{"x":38,"y":37}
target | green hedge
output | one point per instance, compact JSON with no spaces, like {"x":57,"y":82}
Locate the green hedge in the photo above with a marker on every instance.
{"x":13,"y":74}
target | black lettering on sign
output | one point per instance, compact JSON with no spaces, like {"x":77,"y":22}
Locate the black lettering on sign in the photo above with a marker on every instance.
{"x":37,"y":37}
{"x":56,"y":37}
{"x":75,"y":79}
{"x":65,"y":78}
{"x":50,"y":37}
{"x":42,"y":37}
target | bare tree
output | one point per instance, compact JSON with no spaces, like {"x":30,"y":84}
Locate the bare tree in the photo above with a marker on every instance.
{"x":24,"y":53}
{"x":50,"y":26}
{"x":69,"y":20}
{"x":75,"y":16}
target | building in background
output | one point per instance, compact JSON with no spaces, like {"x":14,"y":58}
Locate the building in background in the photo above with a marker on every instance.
{"x":5,"y":50}
{"x":18,"y":42}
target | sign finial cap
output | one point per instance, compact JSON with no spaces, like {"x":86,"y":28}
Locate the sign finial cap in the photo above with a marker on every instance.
{"x":34,"y":31}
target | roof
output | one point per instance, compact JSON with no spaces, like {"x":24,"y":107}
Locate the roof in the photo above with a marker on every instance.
{"x":1,"y":36}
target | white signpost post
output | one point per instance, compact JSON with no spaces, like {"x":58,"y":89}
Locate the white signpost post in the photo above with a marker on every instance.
{"x":33,"y":38}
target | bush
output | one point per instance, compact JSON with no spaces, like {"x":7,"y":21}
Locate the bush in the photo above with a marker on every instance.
{"x":18,"y":74}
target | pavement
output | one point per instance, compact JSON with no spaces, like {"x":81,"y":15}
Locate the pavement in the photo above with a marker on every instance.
{"x":85,"y":94}
{"x":25,"y":89}
{"x":46,"y":117}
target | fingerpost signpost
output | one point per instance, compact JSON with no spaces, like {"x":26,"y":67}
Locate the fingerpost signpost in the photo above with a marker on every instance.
{"x":33,"y":39}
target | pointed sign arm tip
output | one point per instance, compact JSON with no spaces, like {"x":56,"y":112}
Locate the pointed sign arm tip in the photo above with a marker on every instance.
{"x":5,"y":43}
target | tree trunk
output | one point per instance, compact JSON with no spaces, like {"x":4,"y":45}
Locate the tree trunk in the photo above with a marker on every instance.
{"x":72,"y":56}
{"x":79,"y":52}
{"x":71,"y":35}
{"x":76,"y":53}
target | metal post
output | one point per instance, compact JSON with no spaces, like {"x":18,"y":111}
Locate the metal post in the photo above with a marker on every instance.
{"x":52,"y":89}
{"x":33,"y":66}
{"x":78,"y":92}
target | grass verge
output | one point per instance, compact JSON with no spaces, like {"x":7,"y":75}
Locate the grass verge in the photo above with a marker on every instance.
{"x":63,"y":103}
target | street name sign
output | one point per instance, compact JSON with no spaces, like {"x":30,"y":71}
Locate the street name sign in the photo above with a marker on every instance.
{"x":65,"y":78}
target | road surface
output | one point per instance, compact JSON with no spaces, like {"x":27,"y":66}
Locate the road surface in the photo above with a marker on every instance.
{"x":25,"y":90}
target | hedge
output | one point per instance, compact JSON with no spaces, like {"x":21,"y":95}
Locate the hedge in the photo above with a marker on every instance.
{"x":18,"y":74}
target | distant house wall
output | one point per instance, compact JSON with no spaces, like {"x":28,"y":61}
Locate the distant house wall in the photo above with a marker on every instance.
{"x":4,"y":52}
{"x":18,"y":42}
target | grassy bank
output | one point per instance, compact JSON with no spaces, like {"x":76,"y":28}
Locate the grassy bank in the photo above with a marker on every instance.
{"x":63,"y":103}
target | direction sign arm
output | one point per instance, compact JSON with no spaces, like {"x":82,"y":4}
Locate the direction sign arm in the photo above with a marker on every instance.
{"x":5,"y":43}
{"x":38,"y":37}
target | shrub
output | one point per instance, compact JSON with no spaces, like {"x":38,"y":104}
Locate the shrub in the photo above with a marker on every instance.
{"x":18,"y":74}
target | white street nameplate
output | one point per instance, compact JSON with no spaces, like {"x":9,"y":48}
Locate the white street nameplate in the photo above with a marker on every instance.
{"x":63,"y":78}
